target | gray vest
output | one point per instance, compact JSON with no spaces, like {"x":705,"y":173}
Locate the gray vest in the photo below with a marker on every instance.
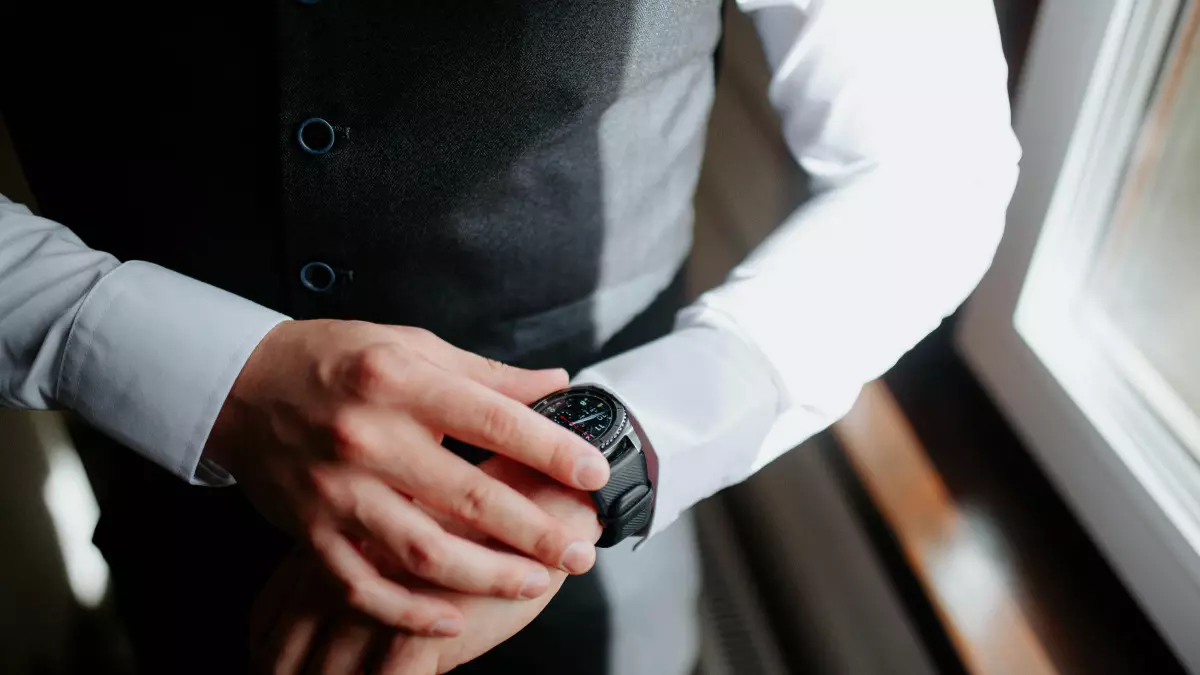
{"x":515,"y":175}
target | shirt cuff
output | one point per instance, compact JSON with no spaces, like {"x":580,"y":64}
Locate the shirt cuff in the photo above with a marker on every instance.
{"x":705,"y":400}
{"x":150,"y":358}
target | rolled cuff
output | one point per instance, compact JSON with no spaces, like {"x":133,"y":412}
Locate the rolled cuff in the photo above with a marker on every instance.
{"x":704,"y":401}
{"x":151,"y":357}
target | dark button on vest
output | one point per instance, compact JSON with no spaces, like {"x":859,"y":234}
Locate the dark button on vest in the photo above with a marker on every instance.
{"x":318,"y":277}
{"x":513,"y":165}
{"x":502,"y":173}
{"x":316,"y":136}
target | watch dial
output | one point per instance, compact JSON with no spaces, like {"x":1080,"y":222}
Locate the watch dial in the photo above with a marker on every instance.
{"x":587,"y":415}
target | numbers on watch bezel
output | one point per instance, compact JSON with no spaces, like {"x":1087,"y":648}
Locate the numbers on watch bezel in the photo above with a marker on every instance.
{"x":579,"y":408}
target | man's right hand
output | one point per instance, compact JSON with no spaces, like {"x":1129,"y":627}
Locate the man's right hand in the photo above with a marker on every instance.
{"x":334,"y":429}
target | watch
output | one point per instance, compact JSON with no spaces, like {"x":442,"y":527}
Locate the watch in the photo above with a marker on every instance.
{"x":594,"y":414}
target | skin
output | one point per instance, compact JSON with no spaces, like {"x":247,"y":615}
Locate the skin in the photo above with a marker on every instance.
{"x":300,"y":627}
{"x":334,"y":430}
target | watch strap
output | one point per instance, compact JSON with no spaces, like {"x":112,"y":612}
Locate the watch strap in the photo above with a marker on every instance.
{"x":624,"y":503}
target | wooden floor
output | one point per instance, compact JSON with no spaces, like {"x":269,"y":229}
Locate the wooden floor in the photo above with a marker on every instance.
{"x":1009,"y":574}
{"x":947,"y":547}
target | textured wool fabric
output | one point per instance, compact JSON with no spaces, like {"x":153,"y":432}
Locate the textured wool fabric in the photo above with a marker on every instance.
{"x":516,"y":176}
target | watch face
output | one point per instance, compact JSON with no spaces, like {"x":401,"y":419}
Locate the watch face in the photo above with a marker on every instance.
{"x":586,"y":414}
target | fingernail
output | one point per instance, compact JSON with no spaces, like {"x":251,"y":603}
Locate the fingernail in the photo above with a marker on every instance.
{"x":578,"y":557}
{"x":535,"y":584}
{"x":591,"y":472}
{"x":446,"y":627}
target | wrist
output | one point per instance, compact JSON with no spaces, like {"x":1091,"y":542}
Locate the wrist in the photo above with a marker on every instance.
{"x":217,"y":447}
{"x":594,"y":412}
{"x":233,"y":420}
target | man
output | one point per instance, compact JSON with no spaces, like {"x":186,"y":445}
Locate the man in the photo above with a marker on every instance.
{"x":330,"y":212}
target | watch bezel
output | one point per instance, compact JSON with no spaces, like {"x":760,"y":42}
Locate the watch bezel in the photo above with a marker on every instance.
{"x":609,"y":441}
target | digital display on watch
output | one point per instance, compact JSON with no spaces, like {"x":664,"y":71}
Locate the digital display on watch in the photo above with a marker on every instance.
{"x":587,"y":415}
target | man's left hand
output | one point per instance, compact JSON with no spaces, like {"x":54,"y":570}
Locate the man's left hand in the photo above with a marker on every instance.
{"x":300,"y":626}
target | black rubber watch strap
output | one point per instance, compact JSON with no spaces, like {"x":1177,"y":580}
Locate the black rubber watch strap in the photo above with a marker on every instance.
{"x":624,"y":504}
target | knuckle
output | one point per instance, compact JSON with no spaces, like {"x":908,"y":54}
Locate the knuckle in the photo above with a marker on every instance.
{"x":359,"y":596}
{"x":326,"y":485}
{"x":317,"y":536}
{"x":370,"y":371}
{"x":509,"y":584}
{"x":497,"y":425}
{"x":362,"y":510}
{"x":412,"y":618}
{"x":425,"y":558}
{"x":562,"y":457}
{"x":416,"y":334}
{"x":474,"y":502}
{"x":549,"y":545}
{"x":349,"y":437}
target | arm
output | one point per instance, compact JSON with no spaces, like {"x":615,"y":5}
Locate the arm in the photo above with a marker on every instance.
{"x":899,"y":113}
{"x":306,"y":415}
{"x":114,"y":343}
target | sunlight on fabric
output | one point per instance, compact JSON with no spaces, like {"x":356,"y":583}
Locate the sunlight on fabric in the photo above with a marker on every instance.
{"x":73,"y":508}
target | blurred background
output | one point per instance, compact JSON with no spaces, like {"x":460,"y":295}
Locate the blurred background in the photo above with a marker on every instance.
{"x":1019,"y":495}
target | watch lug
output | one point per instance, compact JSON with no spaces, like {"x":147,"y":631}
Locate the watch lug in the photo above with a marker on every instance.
{"x":633,"y":435}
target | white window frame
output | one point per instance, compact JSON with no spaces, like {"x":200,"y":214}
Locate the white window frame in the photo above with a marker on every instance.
{"x":1131,"y":480}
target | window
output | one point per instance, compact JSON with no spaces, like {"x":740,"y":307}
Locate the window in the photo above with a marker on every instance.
{"x":1142,"y":299}
{"x":1087,"y":328}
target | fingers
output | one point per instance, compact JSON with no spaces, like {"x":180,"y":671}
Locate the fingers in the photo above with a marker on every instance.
{"x":523,"y":385}
{"x":450,"y":485}
{"x":295,"y":644}
{"x":445,"y":402}
{"x":472,"y":413}
{"x":273,"y":599}
{"x":496,"y":509}
{"x":284,"y":651}
{"x":574,"y":509}
{"x":427,"y":551}
{"x":380,"y":598}
{"x":346,"y":645}
{"x":408,"y":655}
{"x":410,"y":403}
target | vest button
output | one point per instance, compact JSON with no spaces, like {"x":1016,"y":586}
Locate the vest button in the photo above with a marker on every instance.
{"x":316,"y":136}
{"x":317,"y":277}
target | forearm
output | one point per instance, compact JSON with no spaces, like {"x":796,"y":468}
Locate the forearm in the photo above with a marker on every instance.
{"x":899,"y":114}
{"x":144,"y":354}
{"x":46,"y":273}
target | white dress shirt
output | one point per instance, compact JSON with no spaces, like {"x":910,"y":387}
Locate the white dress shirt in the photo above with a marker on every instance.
{"x":899,"y":113}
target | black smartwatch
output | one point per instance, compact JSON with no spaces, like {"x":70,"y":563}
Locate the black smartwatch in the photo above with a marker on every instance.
{"x":594,"y":414}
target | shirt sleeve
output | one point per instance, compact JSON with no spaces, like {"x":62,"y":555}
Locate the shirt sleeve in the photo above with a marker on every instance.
{"x":142,"y":353}
{"x":899,"y":113}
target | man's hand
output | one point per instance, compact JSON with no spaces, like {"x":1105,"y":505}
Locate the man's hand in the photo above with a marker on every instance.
{"x":334,"y":429}
{"x":300,"y":627}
